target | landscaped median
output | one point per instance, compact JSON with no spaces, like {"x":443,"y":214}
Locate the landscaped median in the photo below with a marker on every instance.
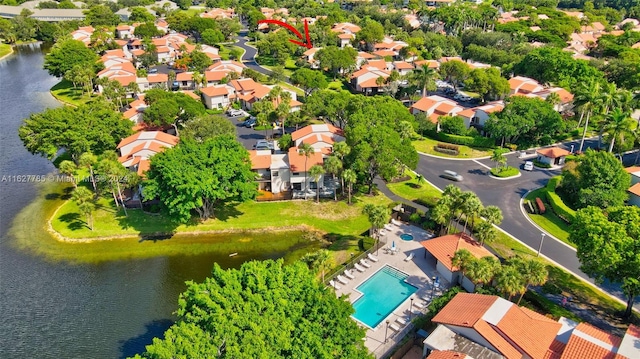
{"x":505,"y":172}
{"x":428,"y":145}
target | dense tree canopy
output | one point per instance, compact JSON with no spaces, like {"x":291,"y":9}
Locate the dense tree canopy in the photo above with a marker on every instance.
{"x":309,"y":80}
{"x":201,"y":177}
{"x":205,"y":127}
{"x":92,"y":128}
{"x":66,"y":54}
{"x":168,"y":108}
{"x":598,"y":179}
{"x":262,"y":310}
{"x":608,"y":248}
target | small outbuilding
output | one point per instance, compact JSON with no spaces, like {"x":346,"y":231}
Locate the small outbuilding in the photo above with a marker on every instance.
{"x":553,"y":156}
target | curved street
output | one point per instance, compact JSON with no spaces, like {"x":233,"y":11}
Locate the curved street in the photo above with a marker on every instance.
{"x":506,"y":194}
{"x":249,"y":56}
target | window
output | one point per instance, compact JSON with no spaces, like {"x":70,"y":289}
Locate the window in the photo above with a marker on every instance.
{"x":274,"y":173}
{"x":295,"y":174}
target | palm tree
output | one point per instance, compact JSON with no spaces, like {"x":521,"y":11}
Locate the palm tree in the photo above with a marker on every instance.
{"x":587,"y":99}
{"x":341,"y":150}
{"x":498,"y":156}
{"x":316,"y":171}
{"x":424,"y":77}
{"x":484,"y":232}
{"x":306,"y":150}
{"x":405,"y":129}
{"x":378,"y":216}
{"x":333,"y":165}
{"x":492,"y":215}
{"x":482,"y":271}
{"x":323,"y":260}
{"x":533,"y":273}
{"x":509,"y":281}
{"x":349,"y":176}
{"x":69,"y":168}
{"x":618,"y":126}
{"x":88,"y":160}
{"x":84,"y":199}
{"x":462,"y":259}
{"x":471,"y":206}
{"x":452,"y":196}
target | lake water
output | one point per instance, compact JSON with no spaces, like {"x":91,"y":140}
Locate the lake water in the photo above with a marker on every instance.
{"x":52,"y":308}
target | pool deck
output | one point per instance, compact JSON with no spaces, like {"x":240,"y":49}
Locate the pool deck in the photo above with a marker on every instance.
{"x":420,"y":271}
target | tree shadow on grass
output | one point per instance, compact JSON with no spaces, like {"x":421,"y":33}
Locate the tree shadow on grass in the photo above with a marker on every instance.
{"x":73,"y":221}
{"x":136,"y":345}
{"x":228,"y":211}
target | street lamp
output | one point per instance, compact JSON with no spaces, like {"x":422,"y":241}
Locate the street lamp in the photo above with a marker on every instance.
{"x":385,"y":331}
{"x":433,"y":286}
{"x":411,"y":310}
{"x":540,"y":248}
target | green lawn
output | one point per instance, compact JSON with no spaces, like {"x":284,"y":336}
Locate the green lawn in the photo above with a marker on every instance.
{"x":5,"y":50}
{"x":549,"y":221}
{"x":425,"y":145}
{"x":328,"y":216}
{"x":270,"y":63}
{"x":289,"y":86}
{"x":65,"y":92}
{"x":192,"y":11}
{"x":505,"y":172}
{"x":225,"y":50}
{"x":422,"y":192}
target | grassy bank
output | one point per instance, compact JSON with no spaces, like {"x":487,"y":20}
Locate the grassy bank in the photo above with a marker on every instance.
{"x":425,"y":145}
{"x":30,"y":234}
{"x":5,"y":50}
{"x":65,"y":92}
{"x":419,"y":192}
{"x":548,"y":221}
{"x":328,"y":217}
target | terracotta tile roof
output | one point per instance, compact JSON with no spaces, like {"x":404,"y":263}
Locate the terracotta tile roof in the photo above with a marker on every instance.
{"x":370,"y":83}
{"x":191,"y":94}
{"x":261,"y":91}
{"x":445,"y":108}
{"x":346,"y":36}
{"x":149,"y":135}
{"x":465,"y":309}
{"x":184,"y":76}
{"x":155,"y":78}
{"x":318,"y":138}
{"x":311,"y":51}
{"x":632,"y":169}
{"x":213,"y":91}
{"x":635,"y":189}
{"x":434,"y":117}
{"x":383,"y":53}
{"x":324,"y":128}
{"x":379,"y":64}
{"x":143,"y":166}
{"x":503,"y":346}
{"x":123,"y":27}
{"x":446,"y":354}
{"x":365,"y":55}
{"x":468,"y":113}
{"x":432,"y":64}
{"x":451,"y":58}
{"x":555,"y":350}
{"x":402,"y":65}
{"x":295,"y":103}
{"x":244,"y":85}
{"x":297,"y":161}
{"x":424,"y":104}
{"x":599,"y":334}
{"x":579,"y":348}
{"x":553,"y":152}
{"x":443,"y":248}
{"x":516,"y":325}
{"x":128,"y":114}
{"x":259,"y":161}
{"x":529,"y":87}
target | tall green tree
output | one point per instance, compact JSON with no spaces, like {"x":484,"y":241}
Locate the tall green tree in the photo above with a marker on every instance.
{"x":69,"y":168}
{"x":341,"y":150}
{"x":483,"y":270}
{"x":336,"y":59}
{"x":307,"y":151}
{"x":424,"y":78}
{"x":509,"y":281}
{"x":462,"y":260}
{"x":66,"y":54}
{"x":378,"y":216}
{"x":101,"y":15}
{"x":488,"y":83}
{"x":201,"y":177}
{"x":498,"y":156}
{"x":587,"y":99}
{"x":284,"y":309}
{"x":533,"y":272}
{"x":84,"y":199}
{"x":319,"y":260}
{"x":455,"y":72}
{"x":309,"y":80}
{"x":205,"y":127}
{"x":349,"y":177}
{"x":372,"y":32}
{"x":316,"y":172}
{"x":333,"y":165}
{"x":619,"y":126}
{"x":607,"y":243}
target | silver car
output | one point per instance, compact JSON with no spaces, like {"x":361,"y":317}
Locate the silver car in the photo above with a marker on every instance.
{"x":452,"y":176}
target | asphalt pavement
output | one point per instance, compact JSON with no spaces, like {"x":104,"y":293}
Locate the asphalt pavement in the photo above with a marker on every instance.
{"x":506,"y":194}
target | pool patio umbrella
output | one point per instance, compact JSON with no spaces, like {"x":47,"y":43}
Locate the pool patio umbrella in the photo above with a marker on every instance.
{"x":393,"y":246}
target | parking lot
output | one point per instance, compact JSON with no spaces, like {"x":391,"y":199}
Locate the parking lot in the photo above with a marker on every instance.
{"x":248,"y":136}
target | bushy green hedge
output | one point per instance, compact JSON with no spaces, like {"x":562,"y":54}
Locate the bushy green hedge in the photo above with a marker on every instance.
{"x":541,"y":164}
{"x":559,"y":208}
{"x":505,"y":172}
{"x":466,"y":140}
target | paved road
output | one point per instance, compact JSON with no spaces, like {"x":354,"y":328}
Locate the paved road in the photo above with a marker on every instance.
{"x":250,"y":53}
{"x":506,"y":194}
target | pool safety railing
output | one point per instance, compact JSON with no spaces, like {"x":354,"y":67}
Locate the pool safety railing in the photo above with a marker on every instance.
{"x":394,"y":272}
{"x":350,"y":264}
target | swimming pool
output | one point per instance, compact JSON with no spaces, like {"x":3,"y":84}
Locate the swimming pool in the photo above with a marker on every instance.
{"x":406,"y":237}
{"x":382,"y":293}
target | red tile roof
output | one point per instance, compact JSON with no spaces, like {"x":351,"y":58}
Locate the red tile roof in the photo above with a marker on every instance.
{"x":259,"y":161}
{"x":580,"y":348}
{"x":318,"y":138}
{"x":213,"y":91}
{"x":465,"y":309}
{"x":516,"y":325}
{"x":446,"y":354}
{"x":150,"y":135}
{"x":307,"y":130}
{"x":444,"y":248}
{"x":424,"y":104}
{"x":297,"y":161}
{"x":555,"y":350}
{"x":553,"y":152}
{"x":155,"y":78}
{"x":632,"y":169}
{"x":501,"y":344}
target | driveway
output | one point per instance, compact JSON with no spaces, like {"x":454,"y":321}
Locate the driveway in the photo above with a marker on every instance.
{"x":506,"y":194}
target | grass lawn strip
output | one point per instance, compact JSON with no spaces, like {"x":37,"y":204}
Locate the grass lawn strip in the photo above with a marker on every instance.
{"x":5,"y":50}
{"x":548,"y":221}
{"x":422,"y":192}
{"x":583,"y":294}
{"x":63,"y":91}
{"x":505,"y":172}
{"x":425,"y":145}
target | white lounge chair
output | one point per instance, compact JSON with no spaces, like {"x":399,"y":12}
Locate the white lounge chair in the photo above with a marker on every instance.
{"x":401,"y":320}
{"x":388,"y":227}
{"x":342,"y":279}
{"x":372,"y":257}
{"x":409,"y":257}
{"x":365,"y":263}
{"x":348,"y":274}
{"x":396,"y":222}
{"x":382,"y":232}
{"x":359,"y":268}
{"x":334,"y":285}
{"x":418,"y":305}
{"x":394,"y":327}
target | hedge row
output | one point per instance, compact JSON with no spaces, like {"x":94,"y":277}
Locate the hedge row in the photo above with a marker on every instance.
{"x":466,"y":140}
{"x":559,"y":208}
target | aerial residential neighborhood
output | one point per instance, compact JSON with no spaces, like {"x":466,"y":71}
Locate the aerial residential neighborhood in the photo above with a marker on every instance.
{"x":332,"y":179}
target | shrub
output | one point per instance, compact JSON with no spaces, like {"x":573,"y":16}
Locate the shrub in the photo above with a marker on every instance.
{"x":453,"y":125}
{"x":541,"y":208}
{"x":541,"y":164}
{"x":557,"y":204}
{"x":446,"y":148}
{"x":415,"y":218}
{"x":466,"y":140}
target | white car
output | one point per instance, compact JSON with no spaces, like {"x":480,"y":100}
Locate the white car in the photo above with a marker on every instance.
{"x":236,"y":113}
{"x":263,"y":145}
{"x":528,"y":166}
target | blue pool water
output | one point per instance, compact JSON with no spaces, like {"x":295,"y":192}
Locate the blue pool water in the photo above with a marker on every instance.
{"x":406,"y":237}
{"x":382,"y":293}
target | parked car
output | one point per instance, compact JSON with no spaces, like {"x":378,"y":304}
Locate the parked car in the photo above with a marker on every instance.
{"x":152,"y":71}
{"x":263,"y":145}
{"x":528,"y":166}
{"x":250,"y":122}
{"x":235,"y":113}
{"x":450,"y":175}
